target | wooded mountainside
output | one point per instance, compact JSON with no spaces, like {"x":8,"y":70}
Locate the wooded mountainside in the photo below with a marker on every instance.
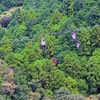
{"x":27,"y":72}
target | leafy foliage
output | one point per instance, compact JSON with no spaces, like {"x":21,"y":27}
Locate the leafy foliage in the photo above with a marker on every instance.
{"x":27,"y":71}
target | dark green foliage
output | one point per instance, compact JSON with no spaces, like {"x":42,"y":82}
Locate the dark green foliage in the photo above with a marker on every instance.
{"x":93,"y":16}
{"x":6,"y":4}
{"x":35,"y":76}
{"x":6,"y":47}
{"x":2,"y":32}
{"x":93,"y":72}
{"x":78,"y":5}
{"x":2,"y":8}
{"x":22,"y":86}
{"x":82,"y":86}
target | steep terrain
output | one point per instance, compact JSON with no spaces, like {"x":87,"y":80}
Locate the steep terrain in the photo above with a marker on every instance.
{"x":62,"y":71}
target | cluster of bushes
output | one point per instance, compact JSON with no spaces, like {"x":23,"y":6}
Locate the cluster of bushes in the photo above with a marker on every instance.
{"x":27,"y":72}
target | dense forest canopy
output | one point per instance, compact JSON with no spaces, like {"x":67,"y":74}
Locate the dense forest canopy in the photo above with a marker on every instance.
{"x":62,"y":71}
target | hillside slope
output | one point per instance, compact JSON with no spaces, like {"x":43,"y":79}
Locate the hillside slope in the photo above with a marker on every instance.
{"x":63,"y":70}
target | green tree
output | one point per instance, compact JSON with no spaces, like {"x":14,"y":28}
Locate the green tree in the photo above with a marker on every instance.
{"x":57,"y":81}
{"x":68,"y":6}
{"x":22,"y":90}
{"x":82,"y":86}
{"x":72,"y":66}
{"x":78,"y":5}
{"x":0,"y":80}
{"x":50,"y":44}
{"x":71,"y":84}
{"x":6,"y":47}
{"x":93,"y":16}
{"x":53,"y":26}
{"x":14,"y":59}
{"x":93,"y":72}
{"x":32,"y":51}
{"x":2,"y":33}
{"x":20,"y":31}
{"x":85,"y":40}
{"x":95,"y":37}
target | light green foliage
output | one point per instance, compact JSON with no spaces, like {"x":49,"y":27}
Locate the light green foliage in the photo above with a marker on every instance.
{"x":44,"y":71}
{"x":54,"y":26}
{"x":34,"y":72}
{"x":71,"y":84}
{"x":20,"y":30}
{"x":63,"y":21}
{"x":33,"y":52}
{"x":49,"y":93}
{"x":57,"y":79}
{"x":82,"y":86}
{"x":2,"y":32}
{"x":86,"y":38}
{"x":90,"y":40}
{"x":15,"y":59}
{"x":93,"y":72}
{"x":68,"y":7}
{"x":37,"y":29}
{"x":50,"y":43}
{"x":6,"y":47}
{"x":56,"y":17}
{"x":22,"y":88}
{"x":95,"y":37}
{"x":72,"y":66}
{"x":41,"y":68}
{"x":0,"y":80}
{"x":26,"y":15}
